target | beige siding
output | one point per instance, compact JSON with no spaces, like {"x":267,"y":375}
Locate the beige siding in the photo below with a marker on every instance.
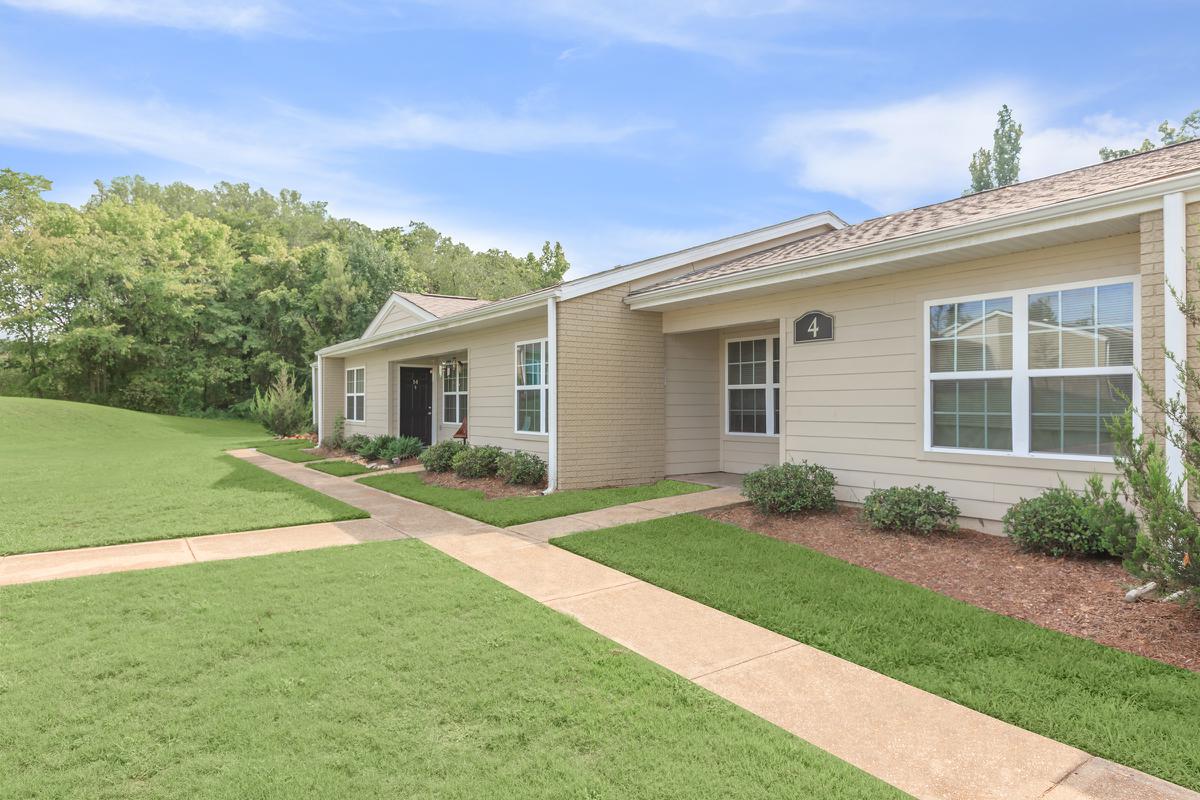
{"x":693,"y":403}
{"x":333,"y":394}
{"x":396,"y":317}
{"x":491,"y":360}
{"x":611,"y":392}
{"x":856,"y":404}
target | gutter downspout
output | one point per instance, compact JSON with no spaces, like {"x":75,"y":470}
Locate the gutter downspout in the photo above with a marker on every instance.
{"x":1174,"y":322}
{"x":552,"y":392}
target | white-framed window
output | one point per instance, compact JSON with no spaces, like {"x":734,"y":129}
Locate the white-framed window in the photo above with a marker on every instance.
{"x":532,"y":387}
{"x":356,"y":394}
{"x":1037,"y":372}
{"x":454,"y":392}
{"x":752,"y":386}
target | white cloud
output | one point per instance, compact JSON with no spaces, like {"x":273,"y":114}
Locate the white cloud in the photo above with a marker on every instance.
{"x":223,"y":15}
{"x":901,"y":154}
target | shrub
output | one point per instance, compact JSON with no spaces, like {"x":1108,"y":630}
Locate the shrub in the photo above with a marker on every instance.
{"x":788,"y":488}
{"x":1062,"y":522}
{"x":283,"y":409}
{"x":476,"y":462}
{"x":918,"y":509}
{"x":401,"y":447}
{"x":337,"y":441}
{"x":373,"y":450}
{"x":521,"y":468}
{"x":440,"y":457}
{"x":356,"y":443}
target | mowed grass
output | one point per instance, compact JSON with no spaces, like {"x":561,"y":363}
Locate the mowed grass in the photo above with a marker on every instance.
{"x":382,"y":670}
{"x":77,"y":475}
{"x":290,"y":450}
{"x":507,"y":511}
{"x":339,"y":469}
{"x":1113,"y":704}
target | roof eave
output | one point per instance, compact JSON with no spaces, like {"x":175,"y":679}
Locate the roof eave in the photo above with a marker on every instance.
{"x":1096,"y":208}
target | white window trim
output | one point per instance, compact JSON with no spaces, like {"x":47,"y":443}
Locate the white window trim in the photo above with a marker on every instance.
{"x":461,"y":394}
{"x":544,"y":386}
{"x":1020,"y":376}
{"x":362,"y":394}
{"x":769,"y":386}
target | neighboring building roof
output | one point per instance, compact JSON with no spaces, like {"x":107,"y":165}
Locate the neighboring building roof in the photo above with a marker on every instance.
{"x":1121,"y":173}
{"x":441,"y":305}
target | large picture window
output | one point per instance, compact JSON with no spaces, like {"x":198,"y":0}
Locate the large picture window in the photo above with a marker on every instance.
{"x":532,"y":387}
{"x":454,"y":393}
{"x":752,"y":386}
{"x":356,"y":394}
{"x":1031,"y":372}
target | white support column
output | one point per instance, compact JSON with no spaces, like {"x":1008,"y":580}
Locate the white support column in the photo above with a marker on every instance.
{"x":1174,"y":322}
{"x":552,"y":392}
{"x":316,"y":405}
{"x":317,"y":391}
{"x":783,"y":424}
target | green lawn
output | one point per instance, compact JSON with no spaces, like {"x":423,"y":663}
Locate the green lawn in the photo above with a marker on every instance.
{"x":290,"y":450}
{"x":507,"y":511}
{"x":1108,"y":702}
{"x":340,"y":469}
{"x":75,"y":475}
{"x":383,"y":670}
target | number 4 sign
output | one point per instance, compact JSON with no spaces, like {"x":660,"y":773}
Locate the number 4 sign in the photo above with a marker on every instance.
{"x":815,"y":326}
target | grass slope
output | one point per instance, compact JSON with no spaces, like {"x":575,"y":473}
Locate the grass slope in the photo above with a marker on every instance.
{"x":383,"y":670}
{"x":76,"y":475}
{"x":340,"y":469}
{"x":1111,"y":703}
{"x":508,"y":511}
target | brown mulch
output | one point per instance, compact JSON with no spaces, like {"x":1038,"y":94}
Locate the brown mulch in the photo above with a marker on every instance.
{"x":491,"y":487}
{"x":1079,"y":596}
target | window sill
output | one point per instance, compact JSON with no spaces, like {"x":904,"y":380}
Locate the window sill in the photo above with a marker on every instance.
{"x":530,"y":435}
{"x":751,"y":435}
{"x":1053,"y":461}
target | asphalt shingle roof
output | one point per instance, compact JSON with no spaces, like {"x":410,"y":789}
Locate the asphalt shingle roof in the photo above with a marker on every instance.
{"x":1096,"y":179}
{"x":442,"y":305}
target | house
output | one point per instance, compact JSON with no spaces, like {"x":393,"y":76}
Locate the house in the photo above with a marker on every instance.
{"x":978,"y":345}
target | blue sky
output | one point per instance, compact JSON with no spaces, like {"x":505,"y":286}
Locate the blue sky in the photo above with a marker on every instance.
{"x":624,"y":129}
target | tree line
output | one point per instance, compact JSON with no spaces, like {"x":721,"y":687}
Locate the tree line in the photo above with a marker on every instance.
{"x":173,"y":299}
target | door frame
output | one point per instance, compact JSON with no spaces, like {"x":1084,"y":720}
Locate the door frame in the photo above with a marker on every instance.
{"x":434,"y":396}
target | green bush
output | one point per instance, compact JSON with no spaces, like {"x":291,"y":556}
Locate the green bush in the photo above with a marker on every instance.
{"x":476,"y":462}
{"x":790,"y":488}
{"x":917,"y":509}
{"x":283,"y":409}
{"x":356,"y":443}
{"x":1062,"y":522}
{"x":373,"y":450}
{"x":337,"y":440}
{"x":401,"y":447}
{"x":440,"y":457}
{"x":521,"y":468}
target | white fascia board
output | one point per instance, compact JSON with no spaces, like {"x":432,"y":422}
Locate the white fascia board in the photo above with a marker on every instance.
{"x":499,"y":309}
{"x":1099,"y":208}
{"x":642,"y":269}
{"x":393,"y":301}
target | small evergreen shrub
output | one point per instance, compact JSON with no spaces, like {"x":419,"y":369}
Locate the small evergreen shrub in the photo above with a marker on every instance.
{"x":401,"y":447}
{"x":917,"y":509}
{"x":790,"y":488}
{"x":440,"y":457}
{"x":373,"y":450}
{"x":521,"y":468}
{"x":356,"y":443}
{"x":476,"y":462}
{"x":1061,"y":522}
{"x":282,"y":409}
{"x":337,"y":440}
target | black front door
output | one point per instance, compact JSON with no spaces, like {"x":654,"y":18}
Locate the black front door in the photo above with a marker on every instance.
{"x":416,"y":403}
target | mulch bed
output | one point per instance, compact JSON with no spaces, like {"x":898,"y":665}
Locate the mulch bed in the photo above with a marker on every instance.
{"x":491,"y":487}
{"x":1079,"y":596}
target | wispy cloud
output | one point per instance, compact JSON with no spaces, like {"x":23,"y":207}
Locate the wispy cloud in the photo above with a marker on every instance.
{"x":229,"y":16}
{"x":897,"y":155}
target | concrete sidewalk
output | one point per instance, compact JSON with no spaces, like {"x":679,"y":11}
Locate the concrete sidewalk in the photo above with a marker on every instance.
{"x":922,"y":744}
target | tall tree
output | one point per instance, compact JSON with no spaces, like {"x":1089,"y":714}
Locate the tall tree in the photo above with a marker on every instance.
{"x":1001,"y":165}
{"x":1189,"y":129}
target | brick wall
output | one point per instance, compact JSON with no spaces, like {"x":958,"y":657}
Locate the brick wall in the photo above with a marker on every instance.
{"x":1151,"y":263}
{"x":611,"y":392}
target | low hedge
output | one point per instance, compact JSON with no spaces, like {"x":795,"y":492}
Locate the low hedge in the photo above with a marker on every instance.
{"x":916,"y":509}
{"x":790,"y":488}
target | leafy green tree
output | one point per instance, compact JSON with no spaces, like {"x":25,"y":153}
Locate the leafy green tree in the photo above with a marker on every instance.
{"x":1001,"y":165}
{"x":1188,"y":130}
